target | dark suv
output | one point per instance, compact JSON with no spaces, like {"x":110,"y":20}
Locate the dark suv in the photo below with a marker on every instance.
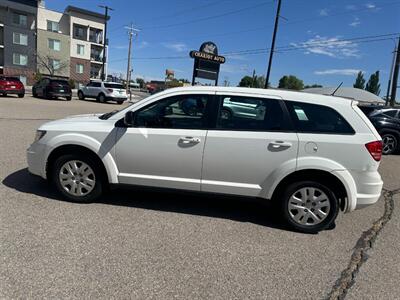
{"x":50,"y":88}
{"x":387,"y":122}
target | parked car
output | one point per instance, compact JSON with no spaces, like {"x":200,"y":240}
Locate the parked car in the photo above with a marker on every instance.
{"x":11,"y":85}
{"x":51,"y":88}
{"x":103,"y":91}
{"x":387,"y":122}
{"x":312,"y":154}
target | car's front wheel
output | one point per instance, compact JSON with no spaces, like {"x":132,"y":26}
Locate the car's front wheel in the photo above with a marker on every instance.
{"x":102,"y":98}
{"x":390,"y":143}
{"x":309,"y":206}
{"x":77,"y":177}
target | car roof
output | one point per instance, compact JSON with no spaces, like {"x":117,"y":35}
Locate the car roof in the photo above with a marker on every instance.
{"x":271,"y":92}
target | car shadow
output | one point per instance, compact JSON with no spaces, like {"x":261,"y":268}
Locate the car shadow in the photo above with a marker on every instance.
{"x":215,"y":206}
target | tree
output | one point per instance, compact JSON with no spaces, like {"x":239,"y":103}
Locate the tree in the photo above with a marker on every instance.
{"x":50,"y":64}
{"x":246,"y":81}
{"x":360,"y":81}
{"x":140,"y":81}
{"x":373,"y":84}
{"x":313,"y":86}
{"x":259,"y":82}
{"x":290,"y":82}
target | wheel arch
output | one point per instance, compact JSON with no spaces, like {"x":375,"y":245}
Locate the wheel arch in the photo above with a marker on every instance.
{"x":321,"y":176}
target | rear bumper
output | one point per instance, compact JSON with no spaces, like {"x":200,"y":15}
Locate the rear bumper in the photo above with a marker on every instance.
{"x":15,"y":92}
{"x":363,"y":188}
{"x":58,"y":94}
{"x":113,"y":98}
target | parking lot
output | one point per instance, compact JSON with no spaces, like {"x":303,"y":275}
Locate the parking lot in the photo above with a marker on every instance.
{"x":151,"y":244}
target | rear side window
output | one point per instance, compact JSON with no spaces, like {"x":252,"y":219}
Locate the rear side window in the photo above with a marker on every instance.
{"x":114,"y":85}
{"x":313,"y":118}
{"x":61,"y":82}
{"x":250,"y":114}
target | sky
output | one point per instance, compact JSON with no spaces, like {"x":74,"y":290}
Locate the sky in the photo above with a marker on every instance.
{"x":320,"y":41}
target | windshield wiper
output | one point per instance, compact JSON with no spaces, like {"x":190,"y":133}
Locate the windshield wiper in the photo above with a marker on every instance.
{"x":108,"y":115}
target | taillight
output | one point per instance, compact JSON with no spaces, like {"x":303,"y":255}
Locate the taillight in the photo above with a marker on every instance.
{"x":375,"y":149}
{"x":110,"y":90}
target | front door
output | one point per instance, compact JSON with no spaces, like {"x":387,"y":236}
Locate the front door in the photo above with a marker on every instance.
{"x":245,"y":150}
{"x":165,"y":146}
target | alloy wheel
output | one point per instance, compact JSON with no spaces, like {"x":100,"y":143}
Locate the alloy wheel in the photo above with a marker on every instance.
{"x":389,"y":144}
{"x":309,"y":206}
{"x":77,"y":178}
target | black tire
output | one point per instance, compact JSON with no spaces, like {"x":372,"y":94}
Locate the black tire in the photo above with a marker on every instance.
{"x":120,"y":102}
{"x":4,"y":94}
{"x":21,"y":95}
{"x":390,"y":143}
{"x":81,"y":96}
{"x":101,"y":98}
{"x":68,"y":98}
{"x":308,"y":209}
{"x":98,"y":188}
{"x":34,"y":94}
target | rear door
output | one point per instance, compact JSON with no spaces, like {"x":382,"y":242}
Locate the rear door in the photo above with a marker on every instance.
{"x":244,"y":151}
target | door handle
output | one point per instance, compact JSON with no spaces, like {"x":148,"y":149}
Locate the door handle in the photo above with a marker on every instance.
{"x":280,"y":144}
{"x":189,"y":140}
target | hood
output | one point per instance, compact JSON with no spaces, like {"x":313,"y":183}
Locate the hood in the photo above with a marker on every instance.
{"x":77,"y":122}
{"x":84,"y":116}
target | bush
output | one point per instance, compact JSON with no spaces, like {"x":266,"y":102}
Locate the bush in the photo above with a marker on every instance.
{"x":37,"y":76}
{"x":71,"y":83}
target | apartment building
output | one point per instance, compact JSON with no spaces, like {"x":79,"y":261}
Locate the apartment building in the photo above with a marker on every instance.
{"x":34,"y":39}
{"x":18,"y":39}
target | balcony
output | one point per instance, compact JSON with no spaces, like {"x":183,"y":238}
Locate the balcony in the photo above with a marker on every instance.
{"x":95,"y":71}
{"x":96,"y":54}
{"x":96,"y":36}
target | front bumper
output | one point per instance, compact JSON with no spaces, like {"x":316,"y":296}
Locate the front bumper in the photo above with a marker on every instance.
{"x":36,"y":159}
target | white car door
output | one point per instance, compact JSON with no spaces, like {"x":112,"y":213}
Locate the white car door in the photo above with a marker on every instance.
{"x":244,"y":154}
{"x":165,"y":146}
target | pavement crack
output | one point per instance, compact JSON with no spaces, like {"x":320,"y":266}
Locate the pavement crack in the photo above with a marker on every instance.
{"x":360,"y":252}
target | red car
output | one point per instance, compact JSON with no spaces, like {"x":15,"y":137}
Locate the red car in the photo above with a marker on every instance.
{"x":11,"y":85}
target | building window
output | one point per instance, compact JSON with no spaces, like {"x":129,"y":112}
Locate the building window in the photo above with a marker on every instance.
{"x":20,"y":59}
{"x":20,"y":39}
{"x":22,"y":79}
{"x":80,"y":32}
{"x":19,"y":19}
{"x":79,"y":68}
{"x":80,"y":49}
{"x":55,"y":63}
{"x":54,"y":44}
{"x":53,"y":26}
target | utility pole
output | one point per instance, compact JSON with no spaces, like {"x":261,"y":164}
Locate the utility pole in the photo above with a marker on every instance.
{"x":131,"y":31}
{"x":271,"y":52}
{"x":395,"y":76}
{"x":254,"y":78}
{"x":106,"y":8}
{"x":391,"y":75}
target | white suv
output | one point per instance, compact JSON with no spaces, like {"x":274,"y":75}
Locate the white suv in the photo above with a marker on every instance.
{"x":310,"y":153}
{"x":103,"y":91}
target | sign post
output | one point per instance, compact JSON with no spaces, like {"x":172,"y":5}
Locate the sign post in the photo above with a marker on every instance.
{"x":206,"y":62}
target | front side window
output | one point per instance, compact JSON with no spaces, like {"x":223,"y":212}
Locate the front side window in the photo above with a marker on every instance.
{"x":180,"y":112}
{"x":313,"y":118}
{"x":54,"y":45}
{"x":80,"y":49}
{"x":20,"y":39}
{"x":251,"y":114}
{"x":20,"y":59}
{"x":19,"y":19}
{"x":79,"y":68}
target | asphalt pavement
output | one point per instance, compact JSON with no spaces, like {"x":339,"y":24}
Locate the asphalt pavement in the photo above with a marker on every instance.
{"x":144,"y":244}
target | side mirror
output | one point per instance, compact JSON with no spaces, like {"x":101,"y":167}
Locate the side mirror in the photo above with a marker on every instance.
{"x":129,"y":118}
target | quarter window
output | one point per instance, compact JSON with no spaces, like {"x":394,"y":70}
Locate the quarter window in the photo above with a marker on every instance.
{"x":20,"y":59}
{"x":313,"y":118}
{"x":20,"y":39}
{"x":184,"y":112}
{"x":54,"y":44}
{"x":251,"y":114}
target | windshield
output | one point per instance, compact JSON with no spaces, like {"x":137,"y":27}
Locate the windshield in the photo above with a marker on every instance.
{"x":114,"y":85}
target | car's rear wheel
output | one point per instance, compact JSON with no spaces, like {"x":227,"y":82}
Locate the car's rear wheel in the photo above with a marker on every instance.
{"x":4,"y":94}
{"x":309,"y":206}
{"x":390,"y":143}
{"x":34,"y":94}
{"x":81,"y":96}
{"x":102,"y":98}
{"x":78,"y":178}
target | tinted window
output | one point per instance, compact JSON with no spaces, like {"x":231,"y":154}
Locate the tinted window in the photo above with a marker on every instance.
{"x":314,"y":118}
{"x":252,"y":114}
{"x":10,"y":78}
{"x":114,"y":85}
{"x":390,"y":113}
{"x":62,"y":82}
{"x":95,"y":84}
{"x":186,"y":112}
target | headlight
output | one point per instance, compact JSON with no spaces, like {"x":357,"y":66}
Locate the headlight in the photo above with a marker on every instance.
{"x":39,"y":135}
